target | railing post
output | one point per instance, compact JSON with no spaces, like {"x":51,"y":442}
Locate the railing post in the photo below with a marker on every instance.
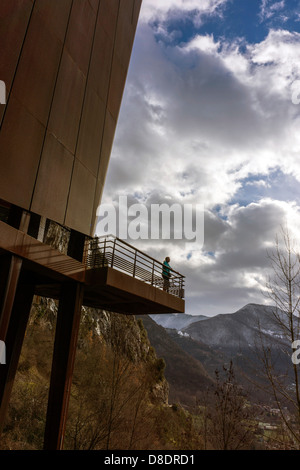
{"x":134,"y":264}
{"x":152,"y":276}
{"x":104,"y":252}
{"x":113,"y":253}
{"x":181,"y":287}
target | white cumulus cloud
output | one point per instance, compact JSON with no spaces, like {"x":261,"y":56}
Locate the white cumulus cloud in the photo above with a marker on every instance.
{"x":203,"y":122}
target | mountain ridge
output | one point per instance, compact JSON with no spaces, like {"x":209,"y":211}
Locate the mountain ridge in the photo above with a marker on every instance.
{"x":176,"y":320}
{"x":240,"y":328}
{"x":216,"y":341}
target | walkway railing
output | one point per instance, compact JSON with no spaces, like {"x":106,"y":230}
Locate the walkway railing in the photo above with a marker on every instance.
{"x":115,"y":253}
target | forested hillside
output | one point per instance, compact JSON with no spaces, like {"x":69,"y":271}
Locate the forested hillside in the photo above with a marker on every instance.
{"x":119,"y":396}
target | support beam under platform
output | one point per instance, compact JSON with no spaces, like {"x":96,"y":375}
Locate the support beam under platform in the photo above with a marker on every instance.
{"x":68,"y":321}
{"x":109,"y":289}
{"x":15,"y":332}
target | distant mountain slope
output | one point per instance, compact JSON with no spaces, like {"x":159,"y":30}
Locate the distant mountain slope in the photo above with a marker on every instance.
{"x":177,"y":320}
{"x":237,"y":330}
{"x":184,"y":372}
{"x":214,"y":342}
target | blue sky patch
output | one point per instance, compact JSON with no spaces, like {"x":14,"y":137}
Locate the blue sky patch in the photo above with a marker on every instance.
{"x":239,"y":19}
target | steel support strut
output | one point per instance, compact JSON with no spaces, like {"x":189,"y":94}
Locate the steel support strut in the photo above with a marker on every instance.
{"x":68,"y":321}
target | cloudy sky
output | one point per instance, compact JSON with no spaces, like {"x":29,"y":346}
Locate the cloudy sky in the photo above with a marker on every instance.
{"x":211,"y":116}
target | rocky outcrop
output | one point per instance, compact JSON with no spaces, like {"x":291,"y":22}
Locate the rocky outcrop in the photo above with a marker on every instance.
{"x":124,"y":334}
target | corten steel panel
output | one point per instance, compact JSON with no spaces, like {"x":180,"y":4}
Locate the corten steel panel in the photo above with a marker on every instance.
{"x":107,"y":141}
{"x":117,"y":79}
{"x":94,"y":4}
{"x":98,"y":195}
{"x":55,"y":15}
{"x":91,"y":129}
{"x":21,"y":139}
{"x":54,"y":176}
{"x":80,"y":33}
{"x":37,"y":69}
{"x":70,"y":78}
{"x":14,"y":18}
{"x":101,"y":60}
{"x":108,"y":14}
{"x":126,"y":9}
{"x":136,"y":12}
{"x":67,"y":103}
{"x":124,"y":33}
{"x":81,"y":197}
{"x":122,"y":50}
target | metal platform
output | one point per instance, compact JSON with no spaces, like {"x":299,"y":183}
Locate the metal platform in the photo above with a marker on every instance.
{"x":115,"y":275}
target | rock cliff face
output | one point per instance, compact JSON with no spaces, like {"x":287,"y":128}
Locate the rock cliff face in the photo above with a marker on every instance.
{"x":124,"y":334}
{"x":127,"y":335}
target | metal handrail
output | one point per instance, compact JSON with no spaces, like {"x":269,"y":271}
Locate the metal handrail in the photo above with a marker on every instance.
{"x":113,"y":252}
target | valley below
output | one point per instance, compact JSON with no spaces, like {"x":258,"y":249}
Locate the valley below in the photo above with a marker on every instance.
{"x":195,"y":348}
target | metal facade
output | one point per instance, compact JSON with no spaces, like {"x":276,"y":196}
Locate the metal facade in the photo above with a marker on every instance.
{"x":64,"y":63}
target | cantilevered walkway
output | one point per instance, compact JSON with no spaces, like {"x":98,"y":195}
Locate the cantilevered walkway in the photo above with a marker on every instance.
{"x":116,"y":276}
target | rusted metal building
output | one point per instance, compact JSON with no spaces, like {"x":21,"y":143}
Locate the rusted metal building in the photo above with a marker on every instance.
{"x":64,"y":65}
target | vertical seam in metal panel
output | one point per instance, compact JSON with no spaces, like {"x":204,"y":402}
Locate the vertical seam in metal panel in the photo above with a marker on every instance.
{"x":106,"y":110}
{"x":83,"y":101}
{"x":132,"y":12}
{"x":18,"y":62}
{"x":52,"y":99}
